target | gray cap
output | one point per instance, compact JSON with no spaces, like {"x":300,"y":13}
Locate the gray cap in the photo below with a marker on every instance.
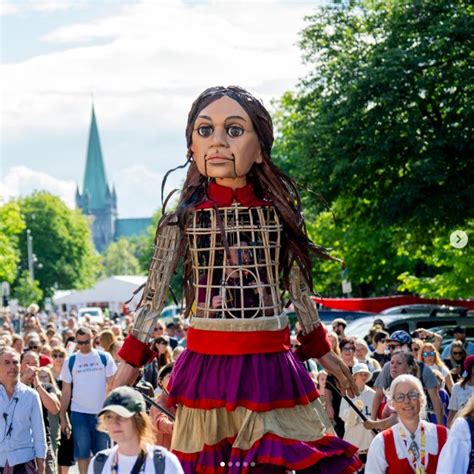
{"x":124,"y":401}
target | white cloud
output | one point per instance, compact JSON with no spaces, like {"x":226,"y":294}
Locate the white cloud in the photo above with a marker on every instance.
{"x":14,"y":8}
{"x":22,"y":181}
{"x":139,"y":190}
{"x":156,"y":58}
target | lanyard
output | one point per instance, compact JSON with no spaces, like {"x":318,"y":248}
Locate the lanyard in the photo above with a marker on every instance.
{"x":139,"y":465}
{"x":418,"y":462}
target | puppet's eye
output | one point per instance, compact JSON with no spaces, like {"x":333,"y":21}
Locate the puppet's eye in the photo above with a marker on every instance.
{"x":205,"y":130}
{"x":234,"y":131}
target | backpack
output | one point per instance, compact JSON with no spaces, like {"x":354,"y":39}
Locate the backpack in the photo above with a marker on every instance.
{"x":159,"y":460}
{"x":72,"y":360}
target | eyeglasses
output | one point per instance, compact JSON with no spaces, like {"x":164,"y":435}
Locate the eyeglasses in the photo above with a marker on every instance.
{"x":411,"y":395}
{"x":83,"y":343}
{"x":58,"y":356}
{"x":348,"y":349}
{"x":431,"y":354}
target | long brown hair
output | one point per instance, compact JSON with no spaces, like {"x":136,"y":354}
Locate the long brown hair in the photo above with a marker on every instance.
{"x":268,"y":182}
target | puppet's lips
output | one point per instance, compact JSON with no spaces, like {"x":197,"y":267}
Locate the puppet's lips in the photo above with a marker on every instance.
{"x":218,"y":158}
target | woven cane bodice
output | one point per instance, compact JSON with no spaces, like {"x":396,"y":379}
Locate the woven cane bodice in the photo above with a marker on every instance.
{"x":235,"y":252}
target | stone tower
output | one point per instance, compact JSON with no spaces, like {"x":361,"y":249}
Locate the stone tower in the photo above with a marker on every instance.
{"x":97,"y":200}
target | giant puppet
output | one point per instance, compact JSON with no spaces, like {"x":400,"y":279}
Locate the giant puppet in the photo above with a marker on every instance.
{"x":245,"y":403}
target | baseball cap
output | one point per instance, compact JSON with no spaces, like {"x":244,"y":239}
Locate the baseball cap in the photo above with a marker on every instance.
{"x":402,"y":337}
{"x":360,"y":368}
{"x":124,"y":401}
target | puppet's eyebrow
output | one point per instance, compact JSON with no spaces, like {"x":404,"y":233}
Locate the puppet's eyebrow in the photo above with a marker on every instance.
{"x":231,"y":117}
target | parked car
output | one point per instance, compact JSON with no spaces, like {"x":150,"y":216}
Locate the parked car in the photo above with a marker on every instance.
{"x":409,"y":318}
{"x":95,"y":314}
{"x":170,"y":314}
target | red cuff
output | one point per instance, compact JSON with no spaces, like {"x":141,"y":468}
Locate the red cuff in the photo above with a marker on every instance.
{"x":135,"y":352}
{"x":313,"y":345}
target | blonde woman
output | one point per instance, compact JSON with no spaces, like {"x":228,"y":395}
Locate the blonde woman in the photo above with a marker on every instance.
{"x":125,"y":420}
{"x":412,"y":445}
{"x":106,"y":339}
{"x":430,"y":356}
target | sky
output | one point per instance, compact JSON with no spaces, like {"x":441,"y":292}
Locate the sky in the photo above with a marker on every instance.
{"x":142,"y":63}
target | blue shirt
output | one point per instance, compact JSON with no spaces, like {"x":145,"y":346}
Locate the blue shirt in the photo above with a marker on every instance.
{"x":22,"y":433}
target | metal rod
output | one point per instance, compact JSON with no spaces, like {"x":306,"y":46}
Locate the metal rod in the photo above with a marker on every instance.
{"x":162,"y":409}
{"x":351,"y":404}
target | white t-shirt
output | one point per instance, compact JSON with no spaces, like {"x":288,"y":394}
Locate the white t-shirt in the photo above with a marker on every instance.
{"x":460,"y":396}
{"x":89,"y":379}
{"x":125,"y":463}
{"x":456,"y":452}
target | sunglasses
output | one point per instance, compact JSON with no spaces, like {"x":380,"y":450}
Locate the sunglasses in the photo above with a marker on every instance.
{"x":158,"y":328}
{"x":411,"y":395}
{"x":458,"y":353}
{"x":431,"y":354}
{"x":34,"y":346}
{"x":83,"y":343}
{"x":58,"y":356}
{"x":393,"y":346}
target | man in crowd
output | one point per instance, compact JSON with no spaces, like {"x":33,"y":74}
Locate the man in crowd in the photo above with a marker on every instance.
{"x":89,"y":371}
{"x":22,"y":433}
{"x":339,"y":326}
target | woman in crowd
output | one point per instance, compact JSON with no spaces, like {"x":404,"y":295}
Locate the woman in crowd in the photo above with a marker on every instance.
{"x":334,"y":340}
{"x":66,"y":443}
{"x":362,"y":355}
{"x":430,"y":356}
{"x":463,"y":390}
{"x":412,"y":445}
{"x":380,"y":343}
{"x":162,"y":348}
{"x":455,"y":362}
{"x":106,"y":339}
{"x":457,"y":455}
{"x":125,"y":420}
{"x":333,"y":397}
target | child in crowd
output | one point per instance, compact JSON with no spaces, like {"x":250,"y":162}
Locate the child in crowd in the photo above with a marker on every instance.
{"x":353,"y":425}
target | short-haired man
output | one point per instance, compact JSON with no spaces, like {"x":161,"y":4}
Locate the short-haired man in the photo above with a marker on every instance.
{"x":22,"y":433}
{"x":89,"y":371}
{"x":339,"y":326}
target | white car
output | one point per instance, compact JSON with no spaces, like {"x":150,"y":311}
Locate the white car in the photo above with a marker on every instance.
{"x":94,"y":313}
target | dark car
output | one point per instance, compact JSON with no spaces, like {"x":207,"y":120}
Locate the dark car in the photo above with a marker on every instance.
{"x":412,"y":317}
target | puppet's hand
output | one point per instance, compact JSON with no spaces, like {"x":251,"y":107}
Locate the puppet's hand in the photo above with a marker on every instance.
{"x":334,"y":365}
{"x":126,"y":375}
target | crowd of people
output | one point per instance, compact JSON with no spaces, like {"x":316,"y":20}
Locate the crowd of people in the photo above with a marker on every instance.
{"x":414,"y":411}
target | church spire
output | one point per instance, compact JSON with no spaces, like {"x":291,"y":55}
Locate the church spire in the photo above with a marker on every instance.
{"x":95,"y":181}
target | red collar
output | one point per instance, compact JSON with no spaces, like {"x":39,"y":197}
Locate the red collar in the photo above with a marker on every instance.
{"x":222,"y":196}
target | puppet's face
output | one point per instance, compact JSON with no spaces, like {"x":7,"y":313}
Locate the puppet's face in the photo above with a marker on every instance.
{"x":224,"y":142}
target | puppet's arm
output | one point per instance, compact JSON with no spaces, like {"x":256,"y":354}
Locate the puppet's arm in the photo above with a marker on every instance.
{"x":135,"y":350}
{"x":313,"y":339}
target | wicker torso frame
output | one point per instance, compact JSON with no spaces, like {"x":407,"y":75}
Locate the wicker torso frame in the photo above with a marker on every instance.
{"x":242,"y":281}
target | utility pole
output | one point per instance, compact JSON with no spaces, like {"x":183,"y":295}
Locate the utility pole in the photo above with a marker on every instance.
{"x":29,"y":243}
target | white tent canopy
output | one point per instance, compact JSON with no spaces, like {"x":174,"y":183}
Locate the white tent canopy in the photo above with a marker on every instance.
{"x":112,"y":291}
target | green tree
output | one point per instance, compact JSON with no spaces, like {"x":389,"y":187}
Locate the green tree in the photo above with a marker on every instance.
{"x":382,"y":128}
{"x":27,"y":291}
{"x":66,"y":258}
{"x":120,"y":260}
{"x":11,"y":225}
